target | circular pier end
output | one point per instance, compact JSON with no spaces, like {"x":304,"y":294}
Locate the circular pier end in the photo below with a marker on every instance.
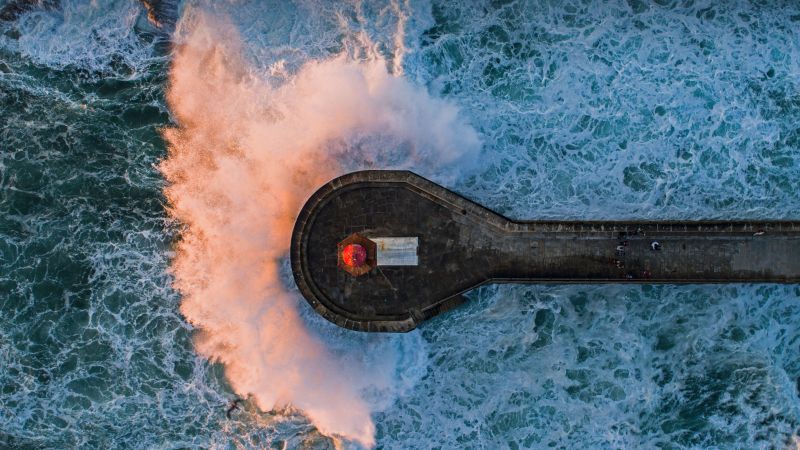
{"x":333,"y":254}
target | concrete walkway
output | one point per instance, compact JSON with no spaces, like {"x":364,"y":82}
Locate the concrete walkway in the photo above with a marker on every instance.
{"x":463,"y":245}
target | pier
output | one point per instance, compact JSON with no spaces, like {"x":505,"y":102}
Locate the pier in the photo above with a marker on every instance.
{"x":385,"y":250}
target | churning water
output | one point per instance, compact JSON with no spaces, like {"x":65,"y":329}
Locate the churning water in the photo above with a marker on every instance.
{"x":153,"y":156}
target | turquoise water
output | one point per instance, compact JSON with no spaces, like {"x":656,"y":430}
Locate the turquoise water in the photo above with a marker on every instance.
{"x":665,"y":109}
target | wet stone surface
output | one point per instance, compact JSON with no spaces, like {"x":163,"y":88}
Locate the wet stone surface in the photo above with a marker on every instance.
{"x":463,"y":245}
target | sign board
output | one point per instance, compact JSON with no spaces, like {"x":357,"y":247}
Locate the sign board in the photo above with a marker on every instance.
{"x":396,"y":251}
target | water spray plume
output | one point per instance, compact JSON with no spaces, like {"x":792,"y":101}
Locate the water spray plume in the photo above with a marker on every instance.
{"x":244,"y":157}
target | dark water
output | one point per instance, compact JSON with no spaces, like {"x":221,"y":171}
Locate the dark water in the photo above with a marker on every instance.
{"x":659,"y":109}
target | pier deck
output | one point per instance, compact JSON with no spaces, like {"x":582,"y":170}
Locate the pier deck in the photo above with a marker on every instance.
{"x":463,"y":245}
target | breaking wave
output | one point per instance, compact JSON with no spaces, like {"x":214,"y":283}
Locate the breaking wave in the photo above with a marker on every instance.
{"x":245,"y":156}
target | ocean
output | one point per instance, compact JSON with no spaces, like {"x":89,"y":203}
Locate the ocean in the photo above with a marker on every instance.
{"x":153,"y":156}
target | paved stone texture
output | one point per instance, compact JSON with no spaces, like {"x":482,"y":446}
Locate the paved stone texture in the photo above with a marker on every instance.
{"x":463,"y":245}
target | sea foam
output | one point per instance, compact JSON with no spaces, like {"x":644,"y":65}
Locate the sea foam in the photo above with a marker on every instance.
{"x":245,"y":156}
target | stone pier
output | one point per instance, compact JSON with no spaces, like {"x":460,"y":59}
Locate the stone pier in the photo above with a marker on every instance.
{"x":460,"y":245}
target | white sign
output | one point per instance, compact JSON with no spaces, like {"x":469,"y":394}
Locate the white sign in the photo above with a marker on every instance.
{"x":396,"y":251}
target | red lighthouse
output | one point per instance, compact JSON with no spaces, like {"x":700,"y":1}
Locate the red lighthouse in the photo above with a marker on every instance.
{"x":356,"y":255}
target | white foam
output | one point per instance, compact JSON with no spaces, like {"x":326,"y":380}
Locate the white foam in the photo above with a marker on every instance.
{"x":85,"y":34}
{"x":248,"y":152}
{"x":579,"y":366}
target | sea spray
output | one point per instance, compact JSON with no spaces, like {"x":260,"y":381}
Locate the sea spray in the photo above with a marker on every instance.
{"x":244,"y":157}
{"x":588,"y":109}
